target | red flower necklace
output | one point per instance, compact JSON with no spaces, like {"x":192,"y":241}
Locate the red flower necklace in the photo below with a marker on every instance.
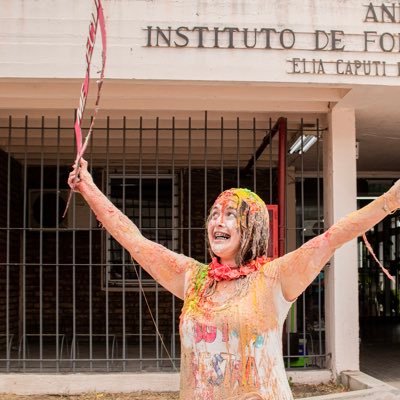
{"x":223,"y":272}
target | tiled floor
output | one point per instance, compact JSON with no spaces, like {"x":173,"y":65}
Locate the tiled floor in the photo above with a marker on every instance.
{"x":380,"y":351}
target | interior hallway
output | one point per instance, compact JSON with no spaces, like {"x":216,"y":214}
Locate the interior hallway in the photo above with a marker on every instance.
{"x":380,"y":350}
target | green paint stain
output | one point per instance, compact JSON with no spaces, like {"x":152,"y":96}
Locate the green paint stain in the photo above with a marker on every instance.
{"x":199,"y":283}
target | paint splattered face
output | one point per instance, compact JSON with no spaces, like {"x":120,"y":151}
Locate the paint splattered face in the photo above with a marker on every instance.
{"x":248,"y":218}
{"x":223,"y":230}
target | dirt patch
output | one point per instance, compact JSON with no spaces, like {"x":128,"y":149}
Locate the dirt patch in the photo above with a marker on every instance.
{"x":299,"y":391}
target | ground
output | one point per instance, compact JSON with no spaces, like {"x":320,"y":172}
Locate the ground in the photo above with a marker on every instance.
{"x":299,"y":391}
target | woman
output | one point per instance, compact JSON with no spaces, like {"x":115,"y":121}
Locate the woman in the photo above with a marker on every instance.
{"x":234,"y":308}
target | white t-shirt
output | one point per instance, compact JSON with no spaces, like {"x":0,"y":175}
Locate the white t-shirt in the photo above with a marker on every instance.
{"x":232,"y":338}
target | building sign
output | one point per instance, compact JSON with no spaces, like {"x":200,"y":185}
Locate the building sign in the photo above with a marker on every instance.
{"x":330,"y":49}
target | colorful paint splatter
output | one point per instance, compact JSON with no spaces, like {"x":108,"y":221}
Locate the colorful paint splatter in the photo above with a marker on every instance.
{"x":253,"y":222}
{"x":231,"y":338}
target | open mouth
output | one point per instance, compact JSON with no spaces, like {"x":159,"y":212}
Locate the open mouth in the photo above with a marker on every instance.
{"x":221,"y":236}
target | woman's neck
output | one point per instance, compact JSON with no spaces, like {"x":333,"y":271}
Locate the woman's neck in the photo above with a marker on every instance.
{"x":229,"y":262}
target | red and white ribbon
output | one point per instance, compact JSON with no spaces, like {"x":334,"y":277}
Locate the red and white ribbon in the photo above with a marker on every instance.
{"x":96,"y":21}
{"x":369,"y":248}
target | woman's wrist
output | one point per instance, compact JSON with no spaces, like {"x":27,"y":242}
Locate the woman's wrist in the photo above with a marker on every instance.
{"x":88,"y":188}
{"x":390,"y":202}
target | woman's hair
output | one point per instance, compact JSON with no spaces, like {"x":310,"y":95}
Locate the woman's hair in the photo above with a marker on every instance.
{"x":253,"y":223}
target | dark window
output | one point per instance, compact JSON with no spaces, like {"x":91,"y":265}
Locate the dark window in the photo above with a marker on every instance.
{"x":155,"y":213}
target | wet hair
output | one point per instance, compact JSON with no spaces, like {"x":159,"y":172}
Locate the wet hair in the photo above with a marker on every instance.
{"x":253,"y":223}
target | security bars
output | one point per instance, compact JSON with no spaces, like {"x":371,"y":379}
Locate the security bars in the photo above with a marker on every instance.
{"x":71,"y":300}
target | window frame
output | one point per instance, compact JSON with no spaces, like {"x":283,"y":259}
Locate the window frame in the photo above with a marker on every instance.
{"x":147,"y":284}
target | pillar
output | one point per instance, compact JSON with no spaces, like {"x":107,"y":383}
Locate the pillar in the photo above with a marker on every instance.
{"x":341,"y":279}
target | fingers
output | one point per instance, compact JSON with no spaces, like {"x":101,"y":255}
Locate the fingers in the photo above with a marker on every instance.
{"x":79,"y":174}
{"x":83,"y":164}
{"x":74,"y":177}
{"x":73,"y":180}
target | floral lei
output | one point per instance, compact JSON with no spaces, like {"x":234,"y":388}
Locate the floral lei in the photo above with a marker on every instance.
{"x":222,"y":272}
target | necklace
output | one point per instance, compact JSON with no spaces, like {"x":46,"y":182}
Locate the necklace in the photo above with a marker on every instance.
{"x":222,"y":272}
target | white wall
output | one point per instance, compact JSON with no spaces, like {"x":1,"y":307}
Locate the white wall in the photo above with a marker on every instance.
{"x":341,"y":287}
{"x":46,"y":39}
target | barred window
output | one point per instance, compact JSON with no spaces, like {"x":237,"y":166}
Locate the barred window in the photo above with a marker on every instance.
{"x":151,"y":203}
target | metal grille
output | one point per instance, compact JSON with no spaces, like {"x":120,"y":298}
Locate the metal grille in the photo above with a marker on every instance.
{"x":70,"y":299}
{"x":379,"y":297}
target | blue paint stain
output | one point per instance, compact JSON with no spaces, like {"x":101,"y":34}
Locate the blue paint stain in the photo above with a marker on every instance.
{"x":259,"y":341}
{"x":216,"y":362}
{"x":234,"y":333}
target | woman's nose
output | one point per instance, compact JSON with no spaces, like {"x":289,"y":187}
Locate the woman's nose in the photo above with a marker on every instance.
{"x":221,"y":220}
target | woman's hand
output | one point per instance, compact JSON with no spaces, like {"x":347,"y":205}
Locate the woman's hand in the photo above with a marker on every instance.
{"x":392,"y":197}
{"x":79,"y":176}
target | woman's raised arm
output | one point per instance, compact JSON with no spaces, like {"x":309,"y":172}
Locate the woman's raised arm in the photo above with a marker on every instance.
{"x":165,"y":266}
{"x":300,"y":267}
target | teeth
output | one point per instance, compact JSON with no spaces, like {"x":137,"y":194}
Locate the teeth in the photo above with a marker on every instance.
{"x":221,"y":235}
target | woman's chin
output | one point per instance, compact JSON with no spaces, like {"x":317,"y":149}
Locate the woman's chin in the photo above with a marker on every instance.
{"x":220,"y":253}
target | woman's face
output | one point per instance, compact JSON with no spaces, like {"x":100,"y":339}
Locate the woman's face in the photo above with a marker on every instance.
{"x":223,"y":230}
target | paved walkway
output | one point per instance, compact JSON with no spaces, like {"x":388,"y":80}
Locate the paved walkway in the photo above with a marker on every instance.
{"x":380,"y":351}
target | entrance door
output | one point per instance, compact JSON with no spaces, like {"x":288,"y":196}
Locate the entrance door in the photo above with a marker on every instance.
{"x":378,"y":296}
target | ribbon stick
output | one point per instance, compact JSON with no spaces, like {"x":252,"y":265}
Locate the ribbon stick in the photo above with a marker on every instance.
{"x":97,"y":20}
{"x":81,"y":145}
{"x":369,"y":247}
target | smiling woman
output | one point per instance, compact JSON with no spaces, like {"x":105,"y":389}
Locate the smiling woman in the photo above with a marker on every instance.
{"x":223,"y":232}
{"x":247,"y":213}
{"x":234,"y":308}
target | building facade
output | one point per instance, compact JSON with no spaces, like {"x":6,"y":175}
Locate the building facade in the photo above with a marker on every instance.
{"x":295,"y":100}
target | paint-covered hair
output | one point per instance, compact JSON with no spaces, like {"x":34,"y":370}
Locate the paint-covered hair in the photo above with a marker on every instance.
{"x":253,"y":221}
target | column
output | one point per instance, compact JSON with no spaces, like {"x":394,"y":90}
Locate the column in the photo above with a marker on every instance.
{"x":341,"y":277}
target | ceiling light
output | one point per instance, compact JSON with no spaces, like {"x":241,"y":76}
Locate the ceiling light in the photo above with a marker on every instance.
{"x":302,"y":144}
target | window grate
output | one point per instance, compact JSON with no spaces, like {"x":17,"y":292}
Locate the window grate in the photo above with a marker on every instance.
{"x":71,"y":301}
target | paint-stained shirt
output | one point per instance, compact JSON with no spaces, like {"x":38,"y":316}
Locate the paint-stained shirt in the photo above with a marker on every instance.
{"x":231,"y":338}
